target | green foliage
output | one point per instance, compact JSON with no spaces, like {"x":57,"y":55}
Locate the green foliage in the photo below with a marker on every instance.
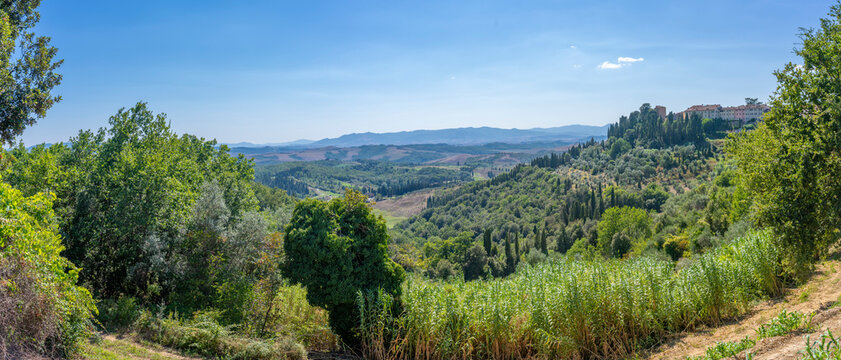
{"x":127,"y":205}
{"x":621,"y":227}
{"x":727,"y":349}
{"x":569,"y":308}
{"x":619,"y":147}
{"x":337,"y":249}
{"x":790,"y":163}
{"x":203,"y":335}
{"x":828,"y":348}
{"x":475,"y":263}
{"x":27,"y":69}
{"x":118,"y":315}
{"x":41,"y":307}
{"x":676,"y":246}
{"x":646,"y":128}
{"x":454,"y":249}
{"x":785,"y":323}
{"x":282,"y":311}
{"x":379,"y":178}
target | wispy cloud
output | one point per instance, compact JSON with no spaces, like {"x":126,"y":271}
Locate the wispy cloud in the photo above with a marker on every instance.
{"x":629,"y":59}
{"x":620,"y":62}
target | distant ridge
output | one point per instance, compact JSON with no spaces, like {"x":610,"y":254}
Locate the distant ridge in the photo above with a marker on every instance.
{"x":456,"y":136}
{"x":296,"y":143}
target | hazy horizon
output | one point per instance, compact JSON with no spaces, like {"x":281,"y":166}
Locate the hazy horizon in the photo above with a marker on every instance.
{"x":264,"y":72}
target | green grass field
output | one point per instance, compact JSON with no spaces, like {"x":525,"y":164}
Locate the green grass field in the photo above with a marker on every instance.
{"x":390,"y":220}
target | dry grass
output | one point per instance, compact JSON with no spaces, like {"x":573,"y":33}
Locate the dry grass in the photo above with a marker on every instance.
{"x":823,"y":293}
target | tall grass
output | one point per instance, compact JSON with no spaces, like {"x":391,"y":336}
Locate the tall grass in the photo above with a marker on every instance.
{"x":203,"y":335}
{"x":574,"y":309}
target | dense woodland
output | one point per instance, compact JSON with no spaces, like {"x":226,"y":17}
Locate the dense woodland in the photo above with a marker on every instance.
{"x":377,"y":178}
{"x":599,"y":252}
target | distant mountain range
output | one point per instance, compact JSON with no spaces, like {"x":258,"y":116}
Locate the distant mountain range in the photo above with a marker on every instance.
{"x":485,"y":144}
{"x":457,"y":136}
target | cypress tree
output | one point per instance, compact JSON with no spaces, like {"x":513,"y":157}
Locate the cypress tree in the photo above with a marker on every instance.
{"x":510,"y":264}
{"x":487,"y":241}
{"x":517,"y":246}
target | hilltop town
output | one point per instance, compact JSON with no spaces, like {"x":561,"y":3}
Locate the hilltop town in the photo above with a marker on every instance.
{"x":751,"y":111}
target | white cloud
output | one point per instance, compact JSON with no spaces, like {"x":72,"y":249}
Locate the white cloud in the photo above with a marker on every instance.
{"x":572,"y":47}
{"x":620,"y":62}
{"x":609,"y":65}
{"x":622,"y":59}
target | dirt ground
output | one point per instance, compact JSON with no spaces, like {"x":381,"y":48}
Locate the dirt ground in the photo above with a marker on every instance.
{"x":820,"y":294}
{"x":407,"y":205}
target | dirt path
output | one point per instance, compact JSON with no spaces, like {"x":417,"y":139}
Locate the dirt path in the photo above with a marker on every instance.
{"x":119,"y":347}
{"x":819,"y":295}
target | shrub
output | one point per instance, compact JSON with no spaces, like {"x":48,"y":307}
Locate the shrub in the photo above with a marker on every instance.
{"x":203,"y":335}
{"x":632,"y":222}
{"x":784,"y":323}
{"x":727,"y":349}
{"x":41,"y":308}
{"x":335,"y":250}
{"x":282,"y":311}
{"x":677,"y":246}
{"x":118,"y":315}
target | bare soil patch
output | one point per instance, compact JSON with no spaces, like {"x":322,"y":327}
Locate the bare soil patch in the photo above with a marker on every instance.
{"x":405,"y":205}
{"x":820,"y":294}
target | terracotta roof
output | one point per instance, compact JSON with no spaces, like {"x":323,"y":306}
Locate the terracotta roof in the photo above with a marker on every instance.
{"x":703,"y":107}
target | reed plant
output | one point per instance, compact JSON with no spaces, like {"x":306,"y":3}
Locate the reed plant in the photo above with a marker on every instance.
{"x":569,"y":308}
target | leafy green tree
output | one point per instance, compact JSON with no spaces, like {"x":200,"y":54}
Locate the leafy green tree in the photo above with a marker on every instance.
{"x":337,"y":249}
{"x":790,"y":163}
{"x":619,"y":147}
{"x":654,"y":196}
{"x":27,"y":69}
{"x":444,"y":269}
{"x":632,"y":222}
{"x":126,"y":197}
{"x":475,"y":263}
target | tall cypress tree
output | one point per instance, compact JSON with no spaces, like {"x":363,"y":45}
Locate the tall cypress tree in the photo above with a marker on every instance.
{"x":510,"y":264}
{"x":517,"y":246}
{"x":487,"y":241}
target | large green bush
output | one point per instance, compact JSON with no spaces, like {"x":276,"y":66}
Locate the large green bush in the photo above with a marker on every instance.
{"x":41,"y":307}
{"x":337,"y":249}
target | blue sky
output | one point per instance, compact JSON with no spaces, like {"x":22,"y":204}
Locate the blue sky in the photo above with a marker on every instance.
{"x":273,"y":71}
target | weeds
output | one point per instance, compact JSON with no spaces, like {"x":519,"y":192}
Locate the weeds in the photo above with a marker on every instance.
{"x":203,"y":335}
{"x":828,"y":348}
{"x":727,"y":349}
{"x":785,"y":323}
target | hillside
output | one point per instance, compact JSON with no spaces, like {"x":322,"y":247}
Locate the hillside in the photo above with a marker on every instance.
{"x":328,"y":178}
{"x":498,"y":154}
{"x":557,"y":201}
